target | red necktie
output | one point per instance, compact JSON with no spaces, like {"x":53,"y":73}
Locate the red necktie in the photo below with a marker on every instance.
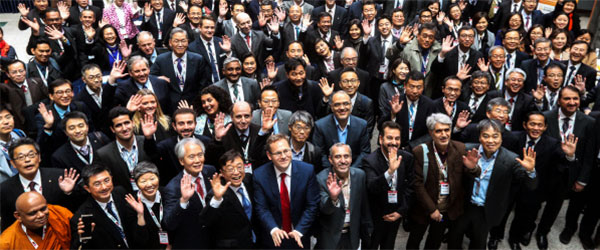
{"x":286,"y":219}
{"x":199,"y":187}
{"x":24,"y":88}
{"x":248,"y":40}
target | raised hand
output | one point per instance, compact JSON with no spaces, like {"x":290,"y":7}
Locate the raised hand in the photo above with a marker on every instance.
{"x":306,"y":21}
{"x":482,"y":65}
{"x":134,"y":103}
{"x":183,"y":5}
{"x":63,"y":10}
{"x":226,"y":43}
{"x":395,"y":105}
{"x":334,"y":186}
{"x":218,"y":188}
{"x":117,"y":71}
{"x":306,"y":60}
{"x":538,"y":93}
{"x":103,"y":23}
{"x":265,"y":82}
{"x":394,"y":160}
{"x":125,"y":50}
{"x":137,"y":205}
{"x":280,"y":13}
{"x":366,"y":28}
{"x":179,"y":19}
{"x":463,"y":72}
{"x":449,"y":23}
{"x":462,"y":4}
{"x":447,"y":45}
{"x":262,"y":20}
{"x":184,"y":104}
{"x":326,"y":88}
{"x":440,"y":17}
{"x":220,"y":128}
{"x":68,"y":180}
{"x":339,"y":43}
{"x":274,"y":25}
{"x":187,"y":188}
{"x":470,"y":160}
{"x":53,"y":33}
{"x":47,"y":115}
{"x":148,"y":126}
{"x":547,"y":32}
{"x":448,"y":107}
{"x":579,"y":83}
{"x":569,"y":146}
{"x":267,"y":120}
{"x":223,"y":9}
{"x":148,"y":9}
{"x":528,"y":161}
{"x":90,"y":32}
{"x":406,"y":35}
{"x":415,"y":29}
{"x":463,"y":119}
{"x":23,"y":10}
{"x":271,"y":71}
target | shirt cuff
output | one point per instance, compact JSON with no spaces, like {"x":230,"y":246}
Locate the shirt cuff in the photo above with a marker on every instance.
{"x":273,"y":230}
{"x":531,"y":174}
{"x":299,"y":233}
{"x":581,"y":183}
{"x":570,"y":158}
{"x":184,"y":205}
{"x":440,"y":59}
{"x":387,"y":175}
{"x":215,"y":203}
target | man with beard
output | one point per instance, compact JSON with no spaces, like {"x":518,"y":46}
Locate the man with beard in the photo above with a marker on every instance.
{"x":238,"y":87}
{"x":43,"y":65}
{"x":344,"y":206}
{"x":546,"y":95}
{"x":440,"y":167}
{"x":534,"y":68}
{"x":39,"y":224}
{"x":449,"y":104}
{"x":389,"y":183}
{"x":122,"y":155}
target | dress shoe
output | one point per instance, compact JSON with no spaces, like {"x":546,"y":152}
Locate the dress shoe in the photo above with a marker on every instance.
{"x":565,"y":236}
{"x":526,"y":239}
{"x":586,"y":242}
{"x":542,"y":241}
{"x":515,"y":245}
{"x":493,"y":243}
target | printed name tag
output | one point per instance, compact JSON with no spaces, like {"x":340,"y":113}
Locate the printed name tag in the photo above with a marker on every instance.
{"x":347,"y":218}
{"x":444,"y":188}
{"x":248,"y":168}
{"x":392,"y":196}
{"x":163,"y":237}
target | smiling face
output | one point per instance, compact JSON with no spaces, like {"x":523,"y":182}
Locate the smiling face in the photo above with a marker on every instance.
{"x":294,"y":51}
{"x":244,"y":23}
{"x":542,"y":51}
{"x":569,"y":7}
{"x":148,"y":105}
{"x":369,"y":12}
{"x":26,"y":159}
{"x":401,"y":71}
{"x":569,"y":101}
{"x":146,"y":44}
{"x":62,"y":96}
{"x":209,"y":104}
{"x":490,"y":139}
{"x":535,"y":126}
{"x":578,"y":52}
{"x":322,"y":49}
{"x":529,"y":5}
{"x":16,"y":72}
{"x":195,"y":15}
{"x":280,"y":153}
{"x":514,"y":83}
{"x":341,"y":160}
{"x":299,"y":131}
{"x":585,"y":37}
{"x":249,"y":65}
{"x":93,"y":79}
{"x":87,"y":18}
{"x":536,"y":33}
{"x":455,"y":13}
{"x":122,"y":127}
{"x":7,"y":122}
{"x":295,"y":13}
{"x":398,"y":18}
{"x":414,"y":89}
{"x":297,"y":76}
{"x":498,"y":113}
{"x":232,"y":71}
{"x":207,"y":29}
{"x":233,"y":171}
{"x":40,"y":4}
{"x":390,"y":138}
{"x":241,"y":116}
{"x":341,"y":106}
{"x":451,"y":90}
{"x":384,"y":26}
{"x":32,"y":211}
{"x":184,"y":124}
{"x":560,"y":41}
{"x":466,"y":39}
{"x":100,"y":186}
{"x":324,"y":24}
{"x":511,"y":41}
{"x":349,"y":82}
{"x":515,"y":22}
{"x":53,"y":19}
{"x":139,"y":72}
{"x":193,"y":159}
{"x":480,"y":86}
{"x":148,"y":184}
{"x":42,"y":52}
{"x":441,"y":135}
{"x":354,"y":32}
{"x":76,"y":129}
{"x":269,"y":101}
{"x":157,"y":4}
{"x":482,"y":25}
{"x":561,"y":21}
{"x":110,"y":36}
{"x":179,"y":43}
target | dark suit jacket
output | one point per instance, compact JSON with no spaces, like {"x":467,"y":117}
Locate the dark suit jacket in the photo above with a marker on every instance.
{"x":154,"y":26}
{"x":375,"y":166}
{"x":325,"y":135}
{"x":66,"y":157}
{"x":427,"y":193}
{"x":256,"y":149}
{"x":311,"y":102}
{"x":127,"y":88}
{"x":470,"y":134}
{"x":288,"y":35}
{"x":16,"y":99}
{"x":363,"y":108}
{"x":450,"y":65}
{"x":331,"y":219}
{"x":229,"y":223}
{"x":309,"y":42}
{"x":198,"y":47}
{"x":149,"y":57}
{"x":304,"y":199}
{"x":311,"y":73}
{"x":363,"y":76}
{"x":74,"y":14}
{"x":110,"y":156}
{"x":425,"y":108}
{"x":259,"y":42}
{"x":530,"y":68}
{"x":153,"y":238}
{"x":506,"y":172}
{"x":66,"y":57}
{"x":186,"y":227}
{"x":585,"y":71}
{"x":501,"y":17}
{"x":312,"y":155}
{"x":197,"y":76}
{"x":583,"y":128}
{"x":340,"y":20}
{"x":99,"y":114}
{"x":12,"y":188}
{"x":84,"y":49}
{"x":322,"y":68}
{"x":408,"y":7}
{"x":249,"y":86}
{"x":53,"y":72}
{"x":371,"y":56}
{"x":523,"y":105}
{"x":480,"y":113}
{"x":460,"y":106}
{"x":106,"y":233}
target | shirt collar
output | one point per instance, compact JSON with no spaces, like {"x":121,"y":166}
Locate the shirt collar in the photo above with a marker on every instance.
{"x":484,"y":157}
{"x":140,"y":86}
{"x":37,"y":179}
{"x":246,"y":132}
{"x":288,"y":171}
{"x":327,"y":9}
{"x":122,"y":148}
{"x":77,"y":147}
{"x":562,"y":115}
{"x":337,"y":124}
{"x":92,"y":93}
{"x":150,"y":203}
{"x":103,"y":204}
{"x":174,"y":57}
{"x":301,"y":150}
{"x":536,"y":140}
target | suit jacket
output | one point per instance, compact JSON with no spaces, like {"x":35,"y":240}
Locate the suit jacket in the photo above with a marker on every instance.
{"x":585,"y":71}
{"x":198,"y":46}
{"x":16,"y":99}
{"x":64,"y":55}
{"x":506,"y":172}
{"x":486,"y":43}
{"x":326,"y":134}
{"x":311,"y":102}
{"x":288,"y":35}
{"x":196,"y":78}
{"x":304,"y":199}
{"x":260,"y":43}
{"x":229,"y":224}
{"x":470,"y":134}
{"x":408,"y":7}
{"x":311,"y":73}
{"x":110,"y":13}
{"x":412,"y":53}
{"x":321,"y":67}
{"x":82,"y":45}
{"x":99,"y":114}
{"x":309,"y":42}
{"x":12,"y":188}
{"x":460,"y":106}
{"x":523,"y":105}
{"x":52,"y":74}
{"x":111,"y":157}
{"x":425,"y":107}
{"x":584,"y":126}
{"x":340,"y":17}
{"x":128,"y":87}
{"x":372,"y":56}
{"x":363,"y":76}
{"x":158,"y":51}
{"x":375,"y":166}
{"x":530,"y":67}
{"x":106,"y":233}
{"x":312,"y":156}
{"x":480,"y":113}
{"x":66,"y":157}
{"x":74,"y":14}
{"x":331,"y":219}
{"x":250,"y":88}
{"x":427,"y":193}
{"x":256,"y":148}
{"x":283,"y":118}
{"x":450,"y":66}
{"x":227,"y":27}
{"x":363,"y":108}
{"x":155,"y":27}
{"x":501,"y":17}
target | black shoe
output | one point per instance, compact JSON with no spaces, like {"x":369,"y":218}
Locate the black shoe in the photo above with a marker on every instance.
{"x":542,"y":241}
{"x":526,"y":239}
{"x":565,"y":236}
{"x":514,"y":245}
{"x":586,"y":242}
{"x":493,"y":243}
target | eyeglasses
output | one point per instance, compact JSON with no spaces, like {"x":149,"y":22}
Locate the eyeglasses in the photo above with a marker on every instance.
{"x":498,"y":56}
{"x":286,"y":151}
{"x":63,"y":92}
{"x":351,"y":59}
{"x":98,"y":184}
{"x":23,"y":157}
{"x":193,"y":157}
{"x":300,"y":127}
{"x":20,"y":71}
{"x":503,"y":111}
{"x":349,"y":81}
{"x":232,"y":169}
{"x":467,"y":36}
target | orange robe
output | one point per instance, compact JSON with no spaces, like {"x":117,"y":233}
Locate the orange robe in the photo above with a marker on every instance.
{"x":58,"y":232}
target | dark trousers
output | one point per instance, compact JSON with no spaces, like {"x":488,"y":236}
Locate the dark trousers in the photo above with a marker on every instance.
{"x":384,"y":234}
{"x":344,"y":242}
{"x":526,"y":210}
{"x":497,"y":232}
{"x":434,"y":238}
{"x":554,"y":203}
{"x":577,"y":202}
{"x":591,"y":214}
{"x":472,"y":222}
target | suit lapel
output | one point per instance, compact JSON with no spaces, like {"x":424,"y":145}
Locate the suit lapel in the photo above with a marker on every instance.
{"x":578,"y":128}
{"x":498,"y":168}
{"x":553,"y":124}
{"x":102,"y":218}
{"x":190,"y":70}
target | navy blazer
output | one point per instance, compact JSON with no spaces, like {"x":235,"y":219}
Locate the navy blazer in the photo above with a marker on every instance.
{"x":326,"y":134}
{"x":153,"y":26}
{"x":372,"y":56}
{"x":304,"y":200}
{"x":220,"y":55}
{"x":340,"y":20}
{"x":111,"y":157}
{"x":186,"y":227}
{"x":311,"y":102}
{"x":127,"y":88}
{"x":99,"y":114}
{"x":530,"y":68}
{"x":65,"y":157}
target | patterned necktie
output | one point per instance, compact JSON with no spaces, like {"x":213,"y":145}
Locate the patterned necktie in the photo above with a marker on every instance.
{"x":551,"y":101}
{"x":114,"y":215}
{"x":236,"y":91}
{"x":297,"y":28}
{"x":527,"y":22}
{"x":571,"y":72}
{"x":463,"y":60}
{"x":32,"y":186}
{"x":213,"y":65}
{"x":286,"y":218}
{"x":85,"y":151}
{"x":199,"y":187}
{"x":565,"y":126}
{"x":180,"y":71}
{"x":248,"y":41}
{"x":515,"y":8}
{"x":474,"y":104}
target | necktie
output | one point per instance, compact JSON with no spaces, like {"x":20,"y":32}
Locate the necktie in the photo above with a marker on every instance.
{"x":286,"y":219}
{"x":530,"y":144}
{"x":474,"y":105}
{"x":213,"y":65}
{"x":199,"y":187}
{"x":515,"y":8}
{"x":527,"y":22}
{"x":144,"y":86}
{"x":28,"y":99}
{"x":297,"y":32}
{"x":85,"y":151}
{"x":180,"y":71}
{"x":32,"y":186}
{"x":399,"y":4}
{"x":463,"y":60}
{"x":511,"y":101}
{"x":568,"y":79}
{"x":236,"y":91}
{"x":245,"y":203}
{"x":551,"y":102}
{"x":565,"y":126}
{"x":173,"y":5}
{"x":383,"y":43}
{"x":248,"y":41}
{"x":114,"y":215}
{"x":244,"y":140}
{"x":508,"y":65}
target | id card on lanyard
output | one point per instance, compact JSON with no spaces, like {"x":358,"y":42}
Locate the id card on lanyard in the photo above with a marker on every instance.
{"x":33,"y":243}
{"x":44,"y":75}
{"x":116,"y":221}
{"x":163,"y":237}
{"x":247,"y":164}
{"x":392,"y":193}
{"x":444,"y":185}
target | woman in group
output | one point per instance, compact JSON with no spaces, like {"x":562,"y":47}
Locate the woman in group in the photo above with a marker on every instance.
{"x":145,"y":104}
{"x":147,"y":179}
{"x":571,"y":19}
{"x":327,"y":59}
{"x":250,"y":67}
{"x":590,"y":59}
{"x":121,"y":16}
{"x":399,"y":68}
{"x":484,"y":39}
{"x":7,"y":54}
{"x":454,"y":21}
{"x":536,"y":31}
{"x":211,"y":102}
{"x":514,"y":22}
{"x":108,"y":49}
{"x":8,"y":134}
{"x":560,"y":43}
{"x":355,"y":36}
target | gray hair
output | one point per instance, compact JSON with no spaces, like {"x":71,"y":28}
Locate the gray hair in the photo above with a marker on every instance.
{"x":301,"y":116}
{"x":486,"y":124}
{"x":498,"y":101}
{"x":516,"y":70}
{"x":436,"y":118}
{"x":230,"y":60}
{"x":337,"y":145}
{"x":144,"y":168}
{"x":495,"y":47}
{"x":135,"y":59}
{"x":144,"y":33}
{"x":542,"y":40}
{"x":345,"y":50}
{"x":180,"y":146}
{"x":178,"y":30}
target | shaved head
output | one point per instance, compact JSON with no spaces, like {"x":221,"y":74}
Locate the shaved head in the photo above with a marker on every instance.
{"x":32,"y":210}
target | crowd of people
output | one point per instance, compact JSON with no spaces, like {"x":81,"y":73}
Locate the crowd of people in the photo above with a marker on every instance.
{"x":166,"y":124}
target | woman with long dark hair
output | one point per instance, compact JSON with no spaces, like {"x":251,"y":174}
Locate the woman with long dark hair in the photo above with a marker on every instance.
{"x":109,"y":49}
{"x":398,"y":69}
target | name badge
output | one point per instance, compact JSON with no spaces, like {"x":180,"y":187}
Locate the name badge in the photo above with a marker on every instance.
{"x":163,"y":237}
{"x":133,"y":184}
{"x":444,"y":188}
{"x":347,"y":218}
{"x":392,"y":196}
{"x":248,"y":168}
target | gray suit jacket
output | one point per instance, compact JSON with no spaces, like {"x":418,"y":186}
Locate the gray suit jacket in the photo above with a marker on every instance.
{"x":331,"y":219}
{"x":229,"y":28}
{"x":283,"y":119}
{"x":261,"y":45}
{"x":249,"y":86}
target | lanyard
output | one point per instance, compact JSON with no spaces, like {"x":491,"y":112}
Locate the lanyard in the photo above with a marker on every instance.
{"x":441,"y":165}
{"x":35,"y":245}
{"x":81,"y":157}
{"x":116,"y":221}
{"x":160,"y":213}
{"x":115,"y":58}
{"x":43,"y":76}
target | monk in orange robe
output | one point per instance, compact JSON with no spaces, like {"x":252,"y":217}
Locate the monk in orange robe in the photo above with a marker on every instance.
{"x":38,"y":226}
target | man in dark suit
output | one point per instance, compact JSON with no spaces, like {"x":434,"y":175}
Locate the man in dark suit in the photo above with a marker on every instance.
{"x":409,"y":8}
{"x":295,"y":50}
{"x":498,"y":67}
{"x":257,"y":42}
{"x":173,"y":5}
{"x":562,"y":122}
{"x":339,"y":20}
{"x":362,"y":106}
{"x":579,"y":49}
{"x":514,"y":57}
{"x":23,"y":92}
{"x":187,"y":72}
{"x":504,"y":10}
{"x":300,"y":126}
{"x":443,"y":195}
{"x":43,"y":65}
{"x":546,"y":95}
{"x":146,"y":47}
{"x":342,"y":127}
{"x":85,"y":35}
{"x":477,"y":96}
{"x":79,"y":151}
{"x":56,"y":187}
{"x":520,"y":102}
{"x":349,"y":59}
{"x":229,"y":214}
{"x":285,"y":220}
{"x":184,"y":197}
{"x":78,"y":8}
{"x":389,"y":203}
{"x":449,"y":104}
{"x":269,"y":102}
{"x":96,"y":97}
{"x":157,"y":20}
{"x":344,"y":215}
{"x":295,"y":29}
{"x":238,"y":87}
{"x":534,"y":68}
{"x":373,"y":56}
{"x":140,"y":78}
{"x":489,"y":194}
{"x":323,"y":30}
{"x":214,"y":49}
{"x":531,"y":15}
{"x":119,"y":219}
{"x":122,"y":155}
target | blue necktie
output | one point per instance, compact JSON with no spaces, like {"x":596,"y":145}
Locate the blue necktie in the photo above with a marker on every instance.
{"x":245,"y":203}
{"x":180,"y":71}
{"x":111,"y":212}
{"x":508,"y":61}
{"x":215,"y":73}
{"x":297,"y":32}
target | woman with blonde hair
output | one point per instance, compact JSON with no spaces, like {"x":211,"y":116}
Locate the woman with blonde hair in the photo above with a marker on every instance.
{"x":145,"y":103}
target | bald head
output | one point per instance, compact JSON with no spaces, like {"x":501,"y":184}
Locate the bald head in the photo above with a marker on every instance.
{"x":241,"y":115}
{"x":32,"y":210}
